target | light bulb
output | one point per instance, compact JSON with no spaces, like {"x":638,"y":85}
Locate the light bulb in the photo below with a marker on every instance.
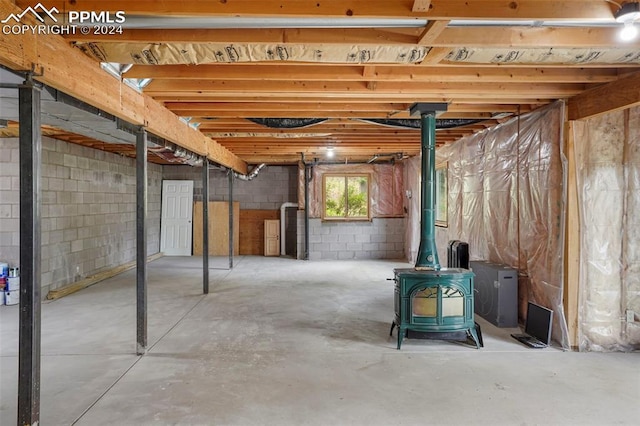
{"x":628,"y":32}
{"x":330,"y":152}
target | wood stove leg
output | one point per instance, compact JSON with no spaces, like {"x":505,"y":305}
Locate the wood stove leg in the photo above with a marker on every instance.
{"x":393,"y":324}
{"x":474,"y":335}
{"x":400,"y":336}
{"x":479,"y":331}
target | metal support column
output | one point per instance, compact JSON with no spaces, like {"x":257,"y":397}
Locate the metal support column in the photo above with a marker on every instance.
{"x":307,"y":170}
{"x":141,"y":242}
{"x":231,"y":176}
{"x":205,"y":226}
{"x":30,"y":254}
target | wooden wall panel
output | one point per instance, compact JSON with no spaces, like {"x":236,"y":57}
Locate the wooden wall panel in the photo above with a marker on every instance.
{"x":218,"y":228}
{"x":252,"y":230}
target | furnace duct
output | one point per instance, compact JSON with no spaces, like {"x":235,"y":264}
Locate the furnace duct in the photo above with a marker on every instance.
{"x":254,"y":172}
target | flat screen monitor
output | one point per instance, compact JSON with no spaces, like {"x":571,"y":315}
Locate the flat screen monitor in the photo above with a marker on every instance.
{"x":538,"y":324}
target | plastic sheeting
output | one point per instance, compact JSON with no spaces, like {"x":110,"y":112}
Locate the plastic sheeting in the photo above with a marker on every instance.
{"x":505,"y":198}
{"x":386,"y":187}
{"x":608,"y":172}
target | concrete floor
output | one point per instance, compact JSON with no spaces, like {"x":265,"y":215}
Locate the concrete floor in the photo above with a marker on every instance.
{"x":285,"y":342}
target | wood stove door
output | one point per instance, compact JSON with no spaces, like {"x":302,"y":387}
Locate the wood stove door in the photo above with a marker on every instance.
{"x":440,"y":305}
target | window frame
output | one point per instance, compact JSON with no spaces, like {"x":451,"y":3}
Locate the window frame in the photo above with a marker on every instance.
{"x":346,"y":218}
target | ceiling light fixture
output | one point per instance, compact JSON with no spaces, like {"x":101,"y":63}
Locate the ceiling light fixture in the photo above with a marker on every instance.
{"x":627,"y":15}
{"x":628,"y":32}
{"x":330,"y":152}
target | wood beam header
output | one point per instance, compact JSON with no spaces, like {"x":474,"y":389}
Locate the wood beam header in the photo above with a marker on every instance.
{"x":73,"y":73}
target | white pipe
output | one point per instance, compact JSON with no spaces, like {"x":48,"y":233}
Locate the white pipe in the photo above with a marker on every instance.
{"x":282,"y":230}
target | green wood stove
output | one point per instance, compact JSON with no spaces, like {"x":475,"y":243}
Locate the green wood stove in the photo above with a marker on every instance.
{"x":434,"y":301}
{"x":428,"y":299}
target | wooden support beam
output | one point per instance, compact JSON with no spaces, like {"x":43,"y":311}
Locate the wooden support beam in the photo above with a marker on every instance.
{"x":435,"y":55}
{"x":620,"y":94}
{"x":421,"y":5}
{"x":532,"y":37}
{"x":329,"y":89}
{"x":439,"y":9}
{"x":200,"y":107}
{"x":411,"y":73}
{"x":572,"y":238}
{"x":73,"y":73}
{"x":368,"y":72}
{"x":431,"y":32}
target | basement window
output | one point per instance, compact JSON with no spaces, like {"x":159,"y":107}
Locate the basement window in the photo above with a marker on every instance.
{"x":345,"y":197}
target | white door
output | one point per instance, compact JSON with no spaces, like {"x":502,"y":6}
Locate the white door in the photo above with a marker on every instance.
{"x":176,"y":231}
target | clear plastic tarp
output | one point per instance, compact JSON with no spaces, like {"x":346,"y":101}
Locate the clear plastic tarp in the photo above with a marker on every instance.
{"x":386,"y":187}
{"x":505,"y":198}
{"x":608,"y":172}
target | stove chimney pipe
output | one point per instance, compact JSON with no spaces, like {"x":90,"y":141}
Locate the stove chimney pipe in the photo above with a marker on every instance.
{"x":427,"y":253}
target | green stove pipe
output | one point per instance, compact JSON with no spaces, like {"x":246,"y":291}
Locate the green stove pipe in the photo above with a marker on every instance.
{"x":427,"y":253}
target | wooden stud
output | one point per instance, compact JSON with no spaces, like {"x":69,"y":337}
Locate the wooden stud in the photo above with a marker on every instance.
{"x":431,"y":32}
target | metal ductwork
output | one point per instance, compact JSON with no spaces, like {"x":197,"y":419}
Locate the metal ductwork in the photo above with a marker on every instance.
{"x":189,"y":157}
{"x":254,"y":172}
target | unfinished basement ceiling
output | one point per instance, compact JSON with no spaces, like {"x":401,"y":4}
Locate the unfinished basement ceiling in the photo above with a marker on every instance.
{"x":224,"y":65}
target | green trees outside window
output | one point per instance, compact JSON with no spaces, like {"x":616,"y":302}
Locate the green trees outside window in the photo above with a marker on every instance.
{"x":346,"y":196}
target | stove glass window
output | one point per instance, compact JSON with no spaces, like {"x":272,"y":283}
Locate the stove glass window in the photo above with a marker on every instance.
{"x":425,"y":303}
{"x":452,"y":302}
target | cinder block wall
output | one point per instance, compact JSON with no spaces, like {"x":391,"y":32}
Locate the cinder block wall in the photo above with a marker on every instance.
{"x":273,"y":186}
{"x":88,"y":210}
{"x":382,"y":238}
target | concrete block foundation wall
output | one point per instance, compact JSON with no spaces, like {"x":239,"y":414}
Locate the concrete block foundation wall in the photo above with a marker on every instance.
{"x":88,"y":210}
{"x":273,"y":186}
{"x":382,"y":238}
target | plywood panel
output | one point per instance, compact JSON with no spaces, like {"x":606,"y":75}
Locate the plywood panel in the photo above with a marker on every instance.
{"x":252,"y":230}
{"x":218,"y":228}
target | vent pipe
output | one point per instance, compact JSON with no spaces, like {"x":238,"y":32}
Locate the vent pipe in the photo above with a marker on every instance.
{"x":253,"y":174}
{"x":427,"y":253}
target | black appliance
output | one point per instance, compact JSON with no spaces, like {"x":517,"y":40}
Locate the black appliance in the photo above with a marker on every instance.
{"x":458,"y":254}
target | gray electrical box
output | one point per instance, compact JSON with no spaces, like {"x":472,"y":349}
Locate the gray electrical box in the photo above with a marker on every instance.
{"x":496,"y":293}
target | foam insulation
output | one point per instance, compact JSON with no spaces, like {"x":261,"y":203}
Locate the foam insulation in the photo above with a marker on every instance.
{"x":543,"y":56}
{"x":385,"y":187}
{"x":608,"y":172}
{"x":208,"y":53}
{"x":505,"y":198}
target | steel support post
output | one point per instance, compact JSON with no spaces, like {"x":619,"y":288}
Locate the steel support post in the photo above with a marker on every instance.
{"x":307,"y":170}
{"x":141,"y":242}
{"x":205,"y":226}
{"x":30,"y":254}
{"x":231,"y":219}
